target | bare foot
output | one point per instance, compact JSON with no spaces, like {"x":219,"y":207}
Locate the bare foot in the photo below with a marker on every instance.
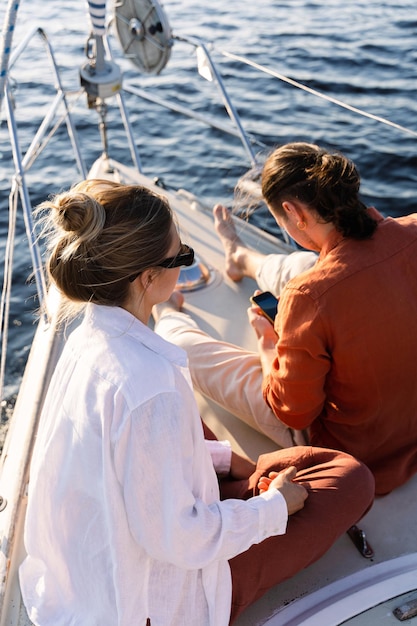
{"x":173,"y":304}
{"x":232,"y":243}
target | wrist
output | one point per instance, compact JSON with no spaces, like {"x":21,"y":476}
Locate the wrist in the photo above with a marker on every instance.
{"x":267,"y":343}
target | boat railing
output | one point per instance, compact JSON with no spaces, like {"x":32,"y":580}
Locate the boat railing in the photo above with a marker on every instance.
{"x":294,"y":83}
{"x":205,"y":66}
{"x":208,"y":69}
{"x":19,"y":188}
{"x":23,"y":163}
{"x":44,"y":132}
{"x":59,"y":112}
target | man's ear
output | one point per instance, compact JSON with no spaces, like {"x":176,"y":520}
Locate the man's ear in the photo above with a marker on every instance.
{"x":294,"y":209}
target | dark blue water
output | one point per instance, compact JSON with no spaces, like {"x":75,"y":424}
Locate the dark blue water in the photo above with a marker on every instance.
{"x":362,"y":52}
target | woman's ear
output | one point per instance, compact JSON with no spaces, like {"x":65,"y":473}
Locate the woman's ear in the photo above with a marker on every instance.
{"x":146,"y":278}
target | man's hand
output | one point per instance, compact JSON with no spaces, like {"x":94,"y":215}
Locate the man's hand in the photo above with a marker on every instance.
{"x":266,"y":335}
{"x":294,"y":493}
{"x":263,"y":328}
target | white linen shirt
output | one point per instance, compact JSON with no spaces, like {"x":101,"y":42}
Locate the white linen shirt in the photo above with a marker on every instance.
{"x":124,"y":520}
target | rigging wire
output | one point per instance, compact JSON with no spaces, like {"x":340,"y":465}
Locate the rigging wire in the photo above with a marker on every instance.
{"x":6,"y":43}
{"x":7,"y":282}
{"x":295,"y":83}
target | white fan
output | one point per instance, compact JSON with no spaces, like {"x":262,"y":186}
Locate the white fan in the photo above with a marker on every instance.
{"x":144,"y":33}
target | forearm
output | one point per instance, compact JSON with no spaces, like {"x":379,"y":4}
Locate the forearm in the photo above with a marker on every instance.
{"x":295,"y":402}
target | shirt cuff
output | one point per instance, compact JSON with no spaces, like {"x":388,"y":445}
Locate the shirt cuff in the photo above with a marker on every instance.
{"x":221,"y":455}
{"x":273,"y":522}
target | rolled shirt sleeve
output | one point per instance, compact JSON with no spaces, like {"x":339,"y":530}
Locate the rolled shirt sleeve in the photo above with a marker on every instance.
{"x":295,"y":386}
{"x":221,"y":455}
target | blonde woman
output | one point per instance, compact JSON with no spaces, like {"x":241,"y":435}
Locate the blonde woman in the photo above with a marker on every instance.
{"x":125,"y":523}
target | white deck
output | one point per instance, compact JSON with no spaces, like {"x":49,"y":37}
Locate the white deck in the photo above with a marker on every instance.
{"x":356,"y":583}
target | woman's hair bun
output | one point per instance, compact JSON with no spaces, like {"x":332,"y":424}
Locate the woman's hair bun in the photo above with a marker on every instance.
{"x":101,"y":233}
{"x":78,"y":213}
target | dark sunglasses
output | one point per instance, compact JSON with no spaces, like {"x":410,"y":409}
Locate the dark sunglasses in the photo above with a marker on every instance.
{"x":185,"y":257}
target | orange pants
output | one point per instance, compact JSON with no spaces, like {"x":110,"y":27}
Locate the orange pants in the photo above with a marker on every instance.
{"x":341,"y":490}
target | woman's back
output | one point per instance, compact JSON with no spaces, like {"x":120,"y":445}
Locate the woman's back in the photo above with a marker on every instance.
{"x":92,"y":535}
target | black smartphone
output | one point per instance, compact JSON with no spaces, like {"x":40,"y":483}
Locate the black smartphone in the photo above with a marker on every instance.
{"x":268,"y":303}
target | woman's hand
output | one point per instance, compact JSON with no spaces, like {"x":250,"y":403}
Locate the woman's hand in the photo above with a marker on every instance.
{"x":294,"y":493}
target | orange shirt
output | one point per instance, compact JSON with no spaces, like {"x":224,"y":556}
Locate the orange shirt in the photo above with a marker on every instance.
{"x":346,"y":365}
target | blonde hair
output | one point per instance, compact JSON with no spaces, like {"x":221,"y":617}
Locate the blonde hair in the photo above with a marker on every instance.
{"x":99,"y":233}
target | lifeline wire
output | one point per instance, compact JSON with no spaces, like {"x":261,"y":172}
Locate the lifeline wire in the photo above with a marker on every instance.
{"x":7,"y":284}
{"x":236,"y":57}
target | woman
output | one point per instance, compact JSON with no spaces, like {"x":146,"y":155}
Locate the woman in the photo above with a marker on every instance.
{"x":124,"y":523}
{"x":340,"y":359}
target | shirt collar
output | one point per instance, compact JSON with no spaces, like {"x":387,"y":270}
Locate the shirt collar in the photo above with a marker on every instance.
{"x":335,"y":237}
{"x":117,"y":321}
